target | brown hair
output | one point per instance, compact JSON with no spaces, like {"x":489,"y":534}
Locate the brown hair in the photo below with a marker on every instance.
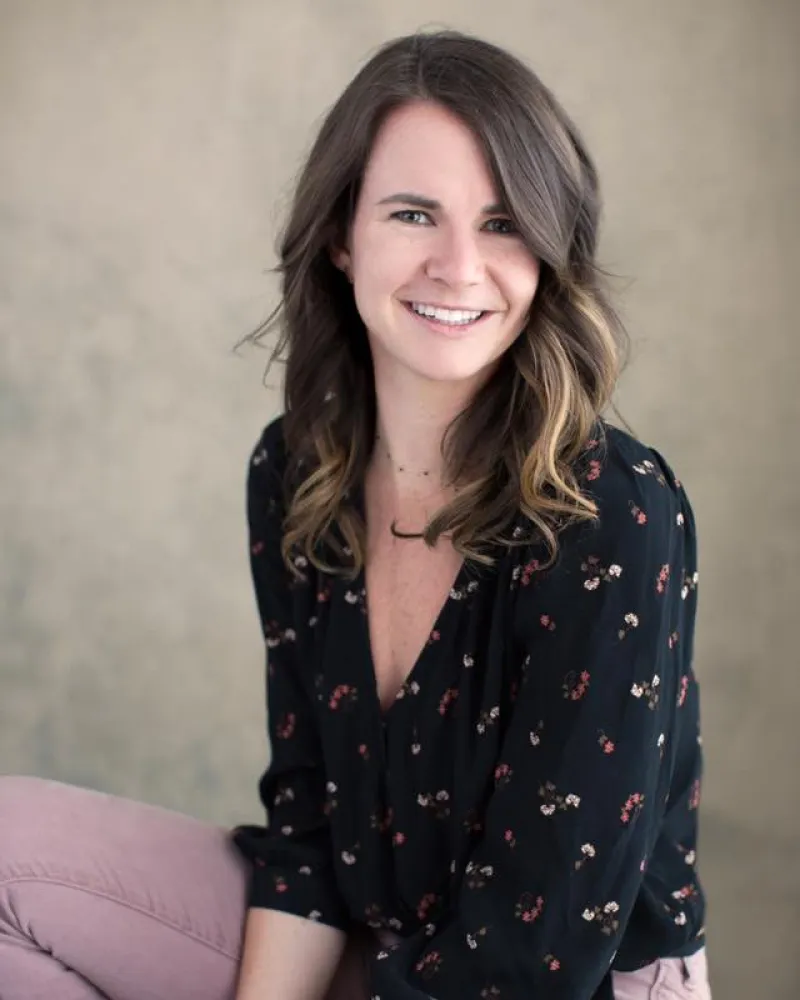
{"x":515,"y":448}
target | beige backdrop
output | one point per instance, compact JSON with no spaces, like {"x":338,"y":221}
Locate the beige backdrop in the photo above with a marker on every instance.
{"x":146,"y":149}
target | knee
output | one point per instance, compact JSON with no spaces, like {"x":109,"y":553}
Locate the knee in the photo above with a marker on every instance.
{"x":27,"y":806}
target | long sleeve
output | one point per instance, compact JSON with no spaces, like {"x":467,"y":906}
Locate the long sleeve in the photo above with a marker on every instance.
{"x":587,"y":760}
{"x":292,"y":863}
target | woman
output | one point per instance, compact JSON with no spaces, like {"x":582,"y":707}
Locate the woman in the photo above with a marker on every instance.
{"x":478,"y":599}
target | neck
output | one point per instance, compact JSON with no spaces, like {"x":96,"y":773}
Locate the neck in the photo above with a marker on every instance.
{"x":410,"y":429}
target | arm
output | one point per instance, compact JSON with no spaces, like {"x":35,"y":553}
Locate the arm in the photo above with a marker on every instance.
{"x":586,"y":762}
{"x":296,"y":924}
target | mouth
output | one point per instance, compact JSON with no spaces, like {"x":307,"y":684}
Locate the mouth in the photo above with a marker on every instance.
{"x":452,"y":322}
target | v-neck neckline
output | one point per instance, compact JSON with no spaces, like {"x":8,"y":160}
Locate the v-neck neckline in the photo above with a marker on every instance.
{"x":416,"y":668}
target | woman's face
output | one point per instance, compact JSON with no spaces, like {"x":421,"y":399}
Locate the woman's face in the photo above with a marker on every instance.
{"x":430,"y":238}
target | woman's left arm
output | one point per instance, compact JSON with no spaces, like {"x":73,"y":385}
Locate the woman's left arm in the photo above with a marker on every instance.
{"x":588,"y":756}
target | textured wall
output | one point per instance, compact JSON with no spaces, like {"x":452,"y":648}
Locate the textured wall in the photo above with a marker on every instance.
{"x":144,"y":148}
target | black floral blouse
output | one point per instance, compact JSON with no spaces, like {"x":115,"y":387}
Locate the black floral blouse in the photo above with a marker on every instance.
{"x":524,"y":816}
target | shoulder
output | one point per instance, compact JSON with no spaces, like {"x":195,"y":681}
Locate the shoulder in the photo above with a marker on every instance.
{"x":632,"y":483}
{"x":266,"y":472}
{"x":644,"y":518}
{"x":270,"y":448}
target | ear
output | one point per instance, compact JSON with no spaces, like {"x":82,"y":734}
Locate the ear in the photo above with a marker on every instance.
{"x":340,"y":257}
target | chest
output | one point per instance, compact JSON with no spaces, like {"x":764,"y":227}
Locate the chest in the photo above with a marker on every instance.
{"x":407,"y":585}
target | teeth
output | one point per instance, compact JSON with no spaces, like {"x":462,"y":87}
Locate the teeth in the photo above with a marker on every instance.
{"x":455,"y":316}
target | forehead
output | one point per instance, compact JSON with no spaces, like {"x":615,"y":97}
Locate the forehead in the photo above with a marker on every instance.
{"x":426,"y":149}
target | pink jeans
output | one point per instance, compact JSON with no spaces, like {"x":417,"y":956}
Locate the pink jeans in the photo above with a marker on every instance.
{"x":102,"y":897}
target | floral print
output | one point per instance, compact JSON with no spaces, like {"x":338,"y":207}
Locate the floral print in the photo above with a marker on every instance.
{"x":523,"y":817}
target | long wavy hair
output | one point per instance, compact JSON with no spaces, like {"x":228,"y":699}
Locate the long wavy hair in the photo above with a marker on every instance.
{"x":515,"y":448}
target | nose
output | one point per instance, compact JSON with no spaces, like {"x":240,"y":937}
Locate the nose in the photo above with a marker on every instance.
{"x":456,"y":257}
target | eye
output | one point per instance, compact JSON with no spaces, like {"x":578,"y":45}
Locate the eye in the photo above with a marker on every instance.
{"x":410,"y":215}
{"x":505,"y":227}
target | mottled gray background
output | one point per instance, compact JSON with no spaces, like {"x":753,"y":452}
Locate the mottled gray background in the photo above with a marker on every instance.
{"x":146,"y":150}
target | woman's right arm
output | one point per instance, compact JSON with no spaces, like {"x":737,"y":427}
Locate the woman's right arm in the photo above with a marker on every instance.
{"x":287,"y":957}
{"x":297,"y":921}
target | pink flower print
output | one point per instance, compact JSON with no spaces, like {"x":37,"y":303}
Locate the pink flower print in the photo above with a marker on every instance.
{"x":595,"y":468}
{"x":663,"y":579}
{"x":694,"y":797}
{"x":574,"y":687}
{"x":434,"y":636}
{"x":429,"y":964}
{"x":510,"y":839}
{"x":684,"y":690}
{"x":527,"y":909}
{"x":528,"y":570}
{"x":285,"y":728}
{"x":257,"y":548}
{"x":363,"y":750}
{"x":632,"y":807}
{"x":342,"y":693}
{"x":547,"y":622}
{"x":607,"y":745}
{"x":425,"y":905}
{"x":502,"y":775}
{"x":280,"y":884}
{"x":552,"y":963}
{"x":323,"y":595}
{"x":638,"y":514}
{"x":399,"y":839}
{"x":685,"y":892}
{"x":447,"y":699}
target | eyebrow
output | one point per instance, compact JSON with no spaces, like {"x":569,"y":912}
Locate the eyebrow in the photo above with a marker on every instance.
{"x":430,"y":204}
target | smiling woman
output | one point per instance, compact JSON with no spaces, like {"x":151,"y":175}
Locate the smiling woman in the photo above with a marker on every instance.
{"x":485,"y":770}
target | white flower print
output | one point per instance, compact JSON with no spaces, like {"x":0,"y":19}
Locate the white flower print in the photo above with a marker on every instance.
{"x":680,"y":919}
{"x":690,"y":858}
{"x":548,"y":810}
{"x":287,"y":831}
{"x":592,"y":584}
{"x":351,"y":597}
{"x":588,"y":850}
{"x":611,"y":907}
{"x":348,"y":858}
{"x":588,"y":914}
{"x":615,"y":570}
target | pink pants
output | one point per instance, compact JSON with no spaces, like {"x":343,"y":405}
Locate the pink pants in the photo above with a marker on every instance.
{"x":102,"y":897}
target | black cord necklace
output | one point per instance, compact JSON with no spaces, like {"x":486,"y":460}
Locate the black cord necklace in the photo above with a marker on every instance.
{"x":403,"y":534}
